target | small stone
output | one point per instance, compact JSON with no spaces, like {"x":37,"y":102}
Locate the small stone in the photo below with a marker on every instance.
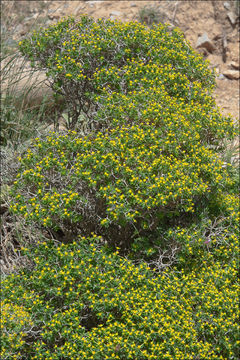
{"x":10,"y":42}
{"x":227,"y":5}
{"x":115,"y":13}
{"x":133,"y":5}
{"x":231,"y":74}
{"x":204,"y":42}
{"x":235,"y":65}
{"x":232,"y":17}
{"x":54,"y":16}
{"x":19,"y":28}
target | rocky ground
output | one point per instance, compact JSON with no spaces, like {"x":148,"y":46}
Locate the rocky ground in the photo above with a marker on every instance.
{"x":212,"y":27}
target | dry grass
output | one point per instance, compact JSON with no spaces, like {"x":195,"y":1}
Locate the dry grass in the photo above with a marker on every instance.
{"x":26,"y":111}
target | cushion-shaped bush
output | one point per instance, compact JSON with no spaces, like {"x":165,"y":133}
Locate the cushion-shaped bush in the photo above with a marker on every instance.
{"x":76,"y":55}
{"x":152,"y":137}
{"x":150,"y":155}
{"x":115,"y":183}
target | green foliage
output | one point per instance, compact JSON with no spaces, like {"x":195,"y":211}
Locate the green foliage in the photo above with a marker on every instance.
{"x":15,"y":325}
{"x":76,"y":54}
{"x":128,"y":178}
{"x":87,"y":303}
{"x":147,"y":174}
{"x":152,"y":130}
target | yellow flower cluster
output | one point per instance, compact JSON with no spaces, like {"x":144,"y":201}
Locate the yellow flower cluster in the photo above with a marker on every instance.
{"x":70,"y":48}
{"x":133,"y":168}
{"x":148,"y":171}
{"x":154,"y":93}
{"x":99,"y":305}
{"x":15,"y":325}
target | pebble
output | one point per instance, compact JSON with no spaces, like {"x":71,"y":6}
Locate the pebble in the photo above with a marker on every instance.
{"x":54,"y":16}
{"x":204,"y":42}
{"x":227,"y":5}
{"x":231,"y":74}
{"x":232,"y":17}
{"x":115,"y":13}
{"x":235,"y":65}
{"x":19,"y":28}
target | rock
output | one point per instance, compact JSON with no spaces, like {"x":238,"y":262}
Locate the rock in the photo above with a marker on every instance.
{"x":19,"y":28}
{"x":232,"y":17}
{"x":115,"y":13}
{"x":10,"y":42}
{"x":54,"y":16}
{"x":231,"y":74}
{"x":204,"y":42}
{"x":227,"y":5}
{"x":19,"y":79}
{"x":235,"y":65}
{"x":133,"y":5}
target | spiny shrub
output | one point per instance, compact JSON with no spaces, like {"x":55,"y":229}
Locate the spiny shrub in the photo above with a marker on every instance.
{"x":114,"y":183}
{"x":77,"y":54}
{"x":150,"y":149}
{"x":87,"y":303}
{"x":148,"y":165}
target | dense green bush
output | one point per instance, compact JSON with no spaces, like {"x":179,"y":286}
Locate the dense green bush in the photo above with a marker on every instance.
{"x":115,"y":184}
{"x":155,"y":130}
{"x":87,"y":303}
{"x":77,"y":54}
{"x":146,"y":175}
